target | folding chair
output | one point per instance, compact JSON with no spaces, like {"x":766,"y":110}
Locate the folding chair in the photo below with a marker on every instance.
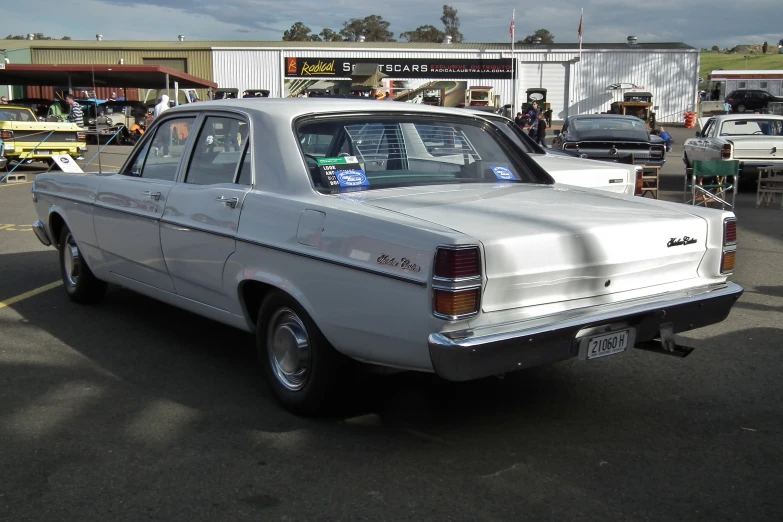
{"x":650,"y":176}
{"x":769,"y":185}
{"x":711,"y":182}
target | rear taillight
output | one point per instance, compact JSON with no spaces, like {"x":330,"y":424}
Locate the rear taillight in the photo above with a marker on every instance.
{"x":639,"y":182}
{"x":729,"y":232}
{"x":81,"y":136}
{"x":456,"y":282}
{"x":6,"y":135}
{"x":725,"y":152}
{"x":729,"y":246}
{"x":729,"y":100}
{"x":457,"y":264}
{"x":656,"y":151}
{"x":570,"y":146}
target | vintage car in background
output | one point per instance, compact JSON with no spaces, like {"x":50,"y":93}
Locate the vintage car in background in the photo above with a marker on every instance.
{"x":567,"y":168}
{"x":393,"y":235}
{"x":94,"y":121}
{"x":130,"y":119}
{"x":25,"y":138}
{"x":611,"y":137}
{"x":742,"y":100}
{"x":755,"y":140}
{"x":636,"y":103}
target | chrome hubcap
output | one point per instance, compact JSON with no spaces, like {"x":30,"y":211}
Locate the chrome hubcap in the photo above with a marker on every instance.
{"x":289,"y":349}
{"x":72,"y":261}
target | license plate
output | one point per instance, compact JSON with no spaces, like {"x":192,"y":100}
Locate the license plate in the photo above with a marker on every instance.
{"x":107,"y":132}
{"x":602,"y":345}
{"x":39,"y":151}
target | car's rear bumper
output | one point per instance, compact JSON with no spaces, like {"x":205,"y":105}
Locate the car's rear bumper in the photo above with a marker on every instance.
{"x":3,"y":162}
{"x":40,"y":232}
{"x":497,"y":349}
{"x":749,"y":169}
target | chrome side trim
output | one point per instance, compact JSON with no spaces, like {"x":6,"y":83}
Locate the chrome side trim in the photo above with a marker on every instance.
{"x":334,"y":262}
{"x":40,"y":232}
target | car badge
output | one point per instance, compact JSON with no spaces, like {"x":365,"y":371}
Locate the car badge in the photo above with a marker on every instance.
{"x":685,"y":240}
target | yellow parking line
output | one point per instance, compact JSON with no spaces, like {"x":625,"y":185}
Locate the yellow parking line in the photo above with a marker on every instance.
{"x":14,"y":184}
{"x":27,"y":295}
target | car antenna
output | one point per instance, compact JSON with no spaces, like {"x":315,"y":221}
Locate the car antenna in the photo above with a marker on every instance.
{"x":97,"y":138}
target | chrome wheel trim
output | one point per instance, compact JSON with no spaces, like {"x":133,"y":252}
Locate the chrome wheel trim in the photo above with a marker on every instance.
{"x":288,"y":347}
{"x":72,"y":261}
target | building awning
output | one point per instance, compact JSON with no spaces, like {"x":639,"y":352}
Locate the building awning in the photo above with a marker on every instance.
{"x":138,"y":76}
{"x":367,"y":75}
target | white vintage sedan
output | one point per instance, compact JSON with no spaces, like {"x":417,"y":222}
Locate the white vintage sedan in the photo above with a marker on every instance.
{"x":755,"y":140}
{"x":394,"y":235}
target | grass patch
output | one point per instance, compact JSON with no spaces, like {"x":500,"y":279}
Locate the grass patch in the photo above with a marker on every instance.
{"x":711,"y":61}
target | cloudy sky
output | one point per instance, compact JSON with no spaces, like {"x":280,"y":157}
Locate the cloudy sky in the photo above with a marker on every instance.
{"x":701,"y":23}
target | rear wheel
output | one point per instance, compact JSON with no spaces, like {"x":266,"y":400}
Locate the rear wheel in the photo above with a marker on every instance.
{"x":80,"y":283}
{"x":305,"y":373}
{"x":741,"y":108}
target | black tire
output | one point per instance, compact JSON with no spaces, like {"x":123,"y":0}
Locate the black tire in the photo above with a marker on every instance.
{"x":79,"y":282}
{"x":310,"y":382}
{"x":741,"y":108}
{"x":687,"y":161}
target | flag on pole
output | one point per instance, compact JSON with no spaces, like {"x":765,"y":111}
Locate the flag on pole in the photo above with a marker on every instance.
{"x":511,"y":29}
{"x":581,"y":19}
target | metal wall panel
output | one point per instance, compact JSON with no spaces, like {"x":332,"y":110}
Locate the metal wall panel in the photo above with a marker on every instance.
{"x":248,"y":69}
{"x":199,"y":63}
{"x":672,"y":78}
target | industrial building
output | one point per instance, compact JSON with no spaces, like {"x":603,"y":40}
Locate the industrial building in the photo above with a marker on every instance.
{"x":577,"y":81}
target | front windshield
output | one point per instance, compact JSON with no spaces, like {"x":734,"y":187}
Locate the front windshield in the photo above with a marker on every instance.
{"x":613,"y":124}
{"x":366,"y":153}
{"x":751,"y":127}
{"x":14,"y":114}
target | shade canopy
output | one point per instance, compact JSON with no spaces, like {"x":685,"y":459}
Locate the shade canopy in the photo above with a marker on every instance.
{"x":367,"y":75}
{"x":128,"y":76}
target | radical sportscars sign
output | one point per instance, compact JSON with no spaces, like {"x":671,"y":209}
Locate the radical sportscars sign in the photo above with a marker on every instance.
{"x":402,"y":68}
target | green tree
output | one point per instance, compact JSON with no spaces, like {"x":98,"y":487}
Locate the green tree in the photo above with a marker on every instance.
{"x":715,"y":48}
{"x":424,"y":33}
{"x":451,"y":24}
{"x":544,"y":34}
{"x":327,"y":35}
{"x":36,"y":36}
{"x":373,"y":27}
{"x":764,"y":48}
{"x":298,"y":32}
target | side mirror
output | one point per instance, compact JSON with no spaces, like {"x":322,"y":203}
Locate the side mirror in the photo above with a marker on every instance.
{"x":557,"y":133}
{"x":698,"y":134}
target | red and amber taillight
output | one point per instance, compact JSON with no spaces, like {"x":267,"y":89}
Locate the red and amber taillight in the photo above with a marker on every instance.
{"x":81,"y":136}
{"x":456,"y":282}
{"x":639,"y":182}
{"x":6,"y":135}
{"x":656,"y":151}
{"x":570,"y":146}
{"x":729,"y":246}
{"x":725,"y":152}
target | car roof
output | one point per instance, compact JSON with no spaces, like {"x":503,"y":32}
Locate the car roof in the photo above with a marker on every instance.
{"x":295,"y":107}
{"x":726,"y":117}
{"x":11,"y":106}
{"x":613,"y":116}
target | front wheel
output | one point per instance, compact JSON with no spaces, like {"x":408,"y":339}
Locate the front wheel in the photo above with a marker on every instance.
{"x":305,"y":373}
{"x":741,"y":108}
{"x":80,"y":283}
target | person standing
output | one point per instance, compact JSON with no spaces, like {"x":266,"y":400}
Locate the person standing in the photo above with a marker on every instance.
{"x":162,"y":106}
{"x":541,"y":132}
{"x":534,"y":115}
{"x":75,"y":115}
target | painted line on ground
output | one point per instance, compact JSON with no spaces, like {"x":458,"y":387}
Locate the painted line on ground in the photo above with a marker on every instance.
{"x":6,"y":185}
{"x":27,"y":295}
{"x":13,"y":228}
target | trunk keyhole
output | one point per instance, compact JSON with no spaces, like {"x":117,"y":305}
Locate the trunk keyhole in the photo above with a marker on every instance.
{"x":608,"y":282}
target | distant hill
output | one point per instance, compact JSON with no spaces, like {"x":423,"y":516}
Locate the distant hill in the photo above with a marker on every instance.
{"x":713,"y":60}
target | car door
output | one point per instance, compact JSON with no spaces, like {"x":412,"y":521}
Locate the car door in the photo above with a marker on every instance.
{"x":200,"y":221}
{"x":130,"y":204}
{"x":705,"y":143}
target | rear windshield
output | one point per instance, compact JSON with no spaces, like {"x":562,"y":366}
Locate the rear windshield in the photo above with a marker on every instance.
{"x":366,"y":153}
{"x":14,"y":114}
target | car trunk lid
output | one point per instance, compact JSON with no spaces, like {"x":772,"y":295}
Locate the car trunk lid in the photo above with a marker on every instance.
{"x":546,"y":244}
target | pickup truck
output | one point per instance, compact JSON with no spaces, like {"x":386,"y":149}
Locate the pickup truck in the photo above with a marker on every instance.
{"x":755,"y":140}
{"x":21,"y":133}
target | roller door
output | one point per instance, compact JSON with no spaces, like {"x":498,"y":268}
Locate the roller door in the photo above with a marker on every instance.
{"x":550,"y":76}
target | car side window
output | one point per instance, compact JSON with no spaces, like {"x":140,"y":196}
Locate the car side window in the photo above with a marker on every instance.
{"x":166,"y":148}
{"x":708,"y":128}
{"x":218,"y":152}
{"x":138,"y":162}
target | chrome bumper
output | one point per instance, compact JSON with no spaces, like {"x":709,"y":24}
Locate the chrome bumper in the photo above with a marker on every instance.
{"x":496,"y":349}
{"x":40,"y":232}
{"x":3,"y":162}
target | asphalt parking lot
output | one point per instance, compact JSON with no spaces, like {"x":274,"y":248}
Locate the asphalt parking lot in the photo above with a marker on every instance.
{"x":134,"y":410}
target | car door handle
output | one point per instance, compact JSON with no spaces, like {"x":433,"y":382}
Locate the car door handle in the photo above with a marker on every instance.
{"x":230,"y":202}
{"x":152,"y":195}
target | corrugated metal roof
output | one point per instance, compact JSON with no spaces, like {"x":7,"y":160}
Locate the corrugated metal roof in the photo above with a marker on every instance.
{"x":207,"y":44}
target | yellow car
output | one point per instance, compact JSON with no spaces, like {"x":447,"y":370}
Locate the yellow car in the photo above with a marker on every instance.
{"x":23,"y":137}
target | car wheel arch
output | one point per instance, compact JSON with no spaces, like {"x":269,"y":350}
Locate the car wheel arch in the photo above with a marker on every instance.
{"x":56,"y":223}
{"x":252,"y":293}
